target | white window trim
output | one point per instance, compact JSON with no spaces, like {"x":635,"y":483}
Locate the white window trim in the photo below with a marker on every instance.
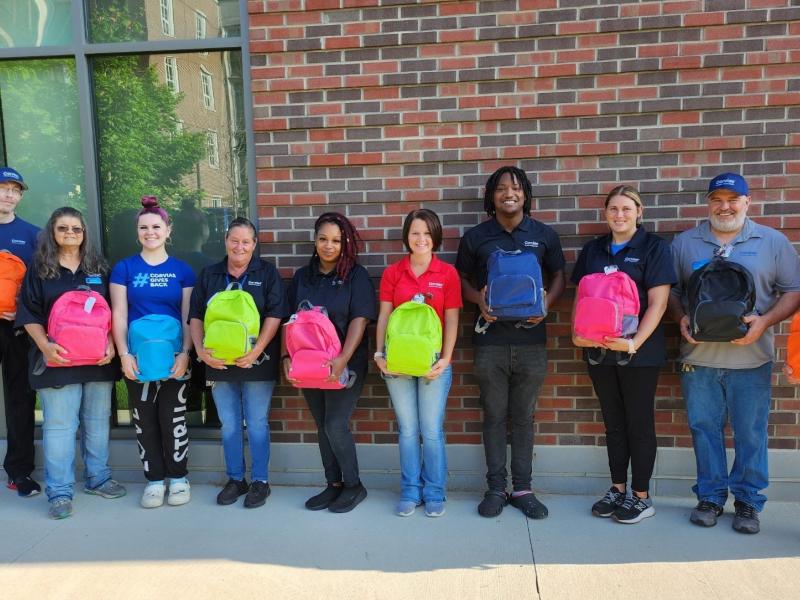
{"x":167,"y":18}
{"x":207,"y":89}
{"x":171,"y":74}
{"x":199,"y":18}
{"x":212,"y":148}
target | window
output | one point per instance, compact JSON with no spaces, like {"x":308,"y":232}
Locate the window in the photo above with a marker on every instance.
{"x":200,"y":25}
{"x":215,"y":202}
{"x":167,"y":22}
{"x":171,"y":74}
{"x":212,"y":148}
{"x":207,"y":88}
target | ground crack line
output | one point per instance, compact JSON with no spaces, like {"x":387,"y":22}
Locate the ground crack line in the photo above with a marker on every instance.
{"x":32,"y":546}
{"x":533,"y":558}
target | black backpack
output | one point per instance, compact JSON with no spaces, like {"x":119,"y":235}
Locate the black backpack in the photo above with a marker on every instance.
{"x":720,"y":294}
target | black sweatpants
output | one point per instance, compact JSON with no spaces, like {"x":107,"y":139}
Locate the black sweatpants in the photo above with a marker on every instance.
{"x":627,"y":399}
{"x":159,"y":414}
{"x":19,"y":400}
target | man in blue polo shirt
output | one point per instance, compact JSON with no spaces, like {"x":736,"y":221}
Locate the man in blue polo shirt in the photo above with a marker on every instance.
{"x":731,"y":380}
{"x":510,"y":360}
{"x":18,"y":237}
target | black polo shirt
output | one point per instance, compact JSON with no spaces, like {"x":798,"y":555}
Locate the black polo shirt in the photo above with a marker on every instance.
{"x":473,"y":253}
{"x":35,"y":302}
{"x":647,"y":259}
{"x":262,"y":281}
{"x":344,"y":300}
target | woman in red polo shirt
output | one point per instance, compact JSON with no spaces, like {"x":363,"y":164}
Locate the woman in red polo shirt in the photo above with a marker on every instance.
{"x":419,"y":402}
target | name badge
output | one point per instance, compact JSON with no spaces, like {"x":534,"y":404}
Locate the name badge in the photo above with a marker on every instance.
{"x":699,"y":264}
{"x":610,"y":269}
{"x":94,"y":280}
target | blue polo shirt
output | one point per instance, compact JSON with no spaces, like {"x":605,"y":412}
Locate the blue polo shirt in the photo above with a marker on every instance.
{"x":19,"y":238}
{"x":473,"y":253}
{"x":646,"y":259}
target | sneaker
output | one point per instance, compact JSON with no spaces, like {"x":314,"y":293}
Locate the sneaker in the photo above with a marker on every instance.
{"x":405,"y":508}
{"x":348,"y":499}
{"x":60,"y":508}
{"x":179,"y":492}
{"x":232,"y":490}
{"x":24,"y":486}
{"x":434,"y":508}
{"x":153,"y":495}
{"x":257,"y":495}
{"x":634,"y":509}
{"x":706,"y":513}
{"x":745,"y":519}
{"x":323,"y":500}
{"x":108,"y":489}
{"x":606,"y":506}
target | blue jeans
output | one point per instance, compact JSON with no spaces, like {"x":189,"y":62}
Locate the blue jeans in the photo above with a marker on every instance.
{"x":420,"y":404}
{"x":87,"y":404}
{"x":712,"y":396}
{"x":249,"y":400}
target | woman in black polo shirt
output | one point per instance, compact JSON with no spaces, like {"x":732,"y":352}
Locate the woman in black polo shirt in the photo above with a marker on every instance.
{"x":242,"y":390}
{"x":335,"y":280}
{"x":66,"y":261}
{"x":627,"y":374}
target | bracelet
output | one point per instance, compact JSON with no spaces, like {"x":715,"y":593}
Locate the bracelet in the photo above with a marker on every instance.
{"x":124,"y":354}
{"x":631,"y":347}
{"x":378,"y":355}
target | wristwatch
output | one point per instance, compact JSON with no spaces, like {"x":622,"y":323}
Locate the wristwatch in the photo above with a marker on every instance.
{"x":378,"y":355}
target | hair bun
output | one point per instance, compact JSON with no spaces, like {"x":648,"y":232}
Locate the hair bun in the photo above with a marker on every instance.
{"x":150,"y":202}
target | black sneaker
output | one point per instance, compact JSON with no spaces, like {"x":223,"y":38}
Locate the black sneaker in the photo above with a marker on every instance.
{"x":257,"y":495}
{"x":24,"y":486}
{"x":634,"y":509}
{"x":746,"y":518}
{"x":324,"y":499}
{"x":348,"y":499}
{"x":606,"y":506}
{"x":706,"y":513}
{"x":231,"y":492}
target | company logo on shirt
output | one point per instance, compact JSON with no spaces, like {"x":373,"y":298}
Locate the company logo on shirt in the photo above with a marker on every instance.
{"x":18,"y":242}
{"x":155,"y":280}
{"x":435,"y":284}
{"x":530,"y":244}
{"x":254,"y":283}
{"x":631,"y":259}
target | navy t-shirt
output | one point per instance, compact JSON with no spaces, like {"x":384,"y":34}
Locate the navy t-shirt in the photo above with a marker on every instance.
{"x":473,"y":253}
{"x":344,"y":301}
{"x":19,"y":238}
{"x":153,"y":289}
{"x":647,"y":259}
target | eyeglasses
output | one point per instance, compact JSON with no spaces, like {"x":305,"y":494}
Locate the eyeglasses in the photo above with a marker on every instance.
{"x":14,"y":192}
{"x":76,"y":229}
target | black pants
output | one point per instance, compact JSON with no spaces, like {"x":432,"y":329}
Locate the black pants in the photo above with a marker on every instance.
{"x":332,"y":410}
{"x":20,"y":401}
{"x":627,"y":398}
{"x":159,"y":414}
{"x":509,"y":378}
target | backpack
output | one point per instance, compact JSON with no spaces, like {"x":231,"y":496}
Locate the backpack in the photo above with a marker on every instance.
{"x":413,"y":338}
{"x":231,"y":324}
{"x":793,"y":346}
{"x":312,"y":341}
{"x":607,"y":305}
{"x":12,"y":272}
{"x":154,"y":340}
{"x":79,"y":322}
{"x":514,"y":286}
{"x":720,"y":293}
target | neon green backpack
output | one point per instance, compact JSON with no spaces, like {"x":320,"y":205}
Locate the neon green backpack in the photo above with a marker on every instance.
{"x":413,"y":338}
{"x":231,"y":323}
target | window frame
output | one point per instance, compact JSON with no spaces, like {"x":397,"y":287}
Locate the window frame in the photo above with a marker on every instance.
{"x":212,"y":148}
{"x":207,"y":89}
{"x":171,"y":77}
{"x":167,"y":15}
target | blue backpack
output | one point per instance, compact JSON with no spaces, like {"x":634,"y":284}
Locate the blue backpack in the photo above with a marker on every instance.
{"x":155,"y":340}
{"x":515,"y":290}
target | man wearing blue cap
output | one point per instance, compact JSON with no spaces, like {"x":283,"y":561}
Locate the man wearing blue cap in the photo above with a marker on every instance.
{"x":19,"y":238}
{"x":731,"y":380}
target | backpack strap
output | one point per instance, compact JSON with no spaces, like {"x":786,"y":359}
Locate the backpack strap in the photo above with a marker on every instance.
{"x":229,"y":284}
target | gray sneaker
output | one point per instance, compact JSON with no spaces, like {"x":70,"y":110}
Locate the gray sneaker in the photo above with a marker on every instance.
{"x":746,"y":518}
{"x":108,"y":489}
{"x":60,"y":508}
{"x":706,"y":513}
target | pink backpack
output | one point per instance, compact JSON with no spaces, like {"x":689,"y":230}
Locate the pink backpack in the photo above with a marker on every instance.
{"x":311,"y":342}
{"x":607,"y":306}
{"x":79,"y":322}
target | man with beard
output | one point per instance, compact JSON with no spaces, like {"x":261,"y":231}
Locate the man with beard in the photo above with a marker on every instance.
{"x":722,"y":380}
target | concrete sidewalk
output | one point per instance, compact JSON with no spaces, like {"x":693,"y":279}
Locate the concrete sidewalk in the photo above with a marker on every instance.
{"x":114,"y":549}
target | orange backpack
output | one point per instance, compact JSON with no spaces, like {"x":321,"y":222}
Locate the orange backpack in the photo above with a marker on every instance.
{"x":12,"y":271}
{"x":793,"y":346}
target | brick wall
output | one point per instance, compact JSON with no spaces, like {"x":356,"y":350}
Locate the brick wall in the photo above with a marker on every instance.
{"x":375,"y":108}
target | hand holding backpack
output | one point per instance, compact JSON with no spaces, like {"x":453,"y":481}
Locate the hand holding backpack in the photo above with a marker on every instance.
{"x":793,"y":346}
{"x":231,"y":324}
{"x":515,"y":291}
{"x":155,"y":340}
{"x":80,"y":322}
{"x":607,"y":305}
{"x":413,"y":338}
{"x":720,"y":293}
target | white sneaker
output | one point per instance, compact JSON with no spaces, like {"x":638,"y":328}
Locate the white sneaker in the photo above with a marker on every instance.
{"x":153,"y":495}
{"x":179,"y":493}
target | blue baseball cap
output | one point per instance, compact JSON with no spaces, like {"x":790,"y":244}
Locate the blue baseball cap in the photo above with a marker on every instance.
{"x":729,"y":181}
{"x":9,"y":174}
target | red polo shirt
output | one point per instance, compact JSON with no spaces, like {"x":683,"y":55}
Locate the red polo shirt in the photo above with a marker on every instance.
{"x":440,"y":285}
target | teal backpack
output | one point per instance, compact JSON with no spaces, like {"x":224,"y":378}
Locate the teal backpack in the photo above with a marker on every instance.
{"x":155,"y":340}
{"x":413,"y":338}
{"x":231,"y":323}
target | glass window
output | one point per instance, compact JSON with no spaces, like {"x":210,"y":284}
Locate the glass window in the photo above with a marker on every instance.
{"x":212,"y":141}
{"x":167,"y":22}
{"x":26,"y":23}
{"x":207,"y":87}
{"x":41,"y":134}
{"x":200,"y":23}
{"x":171,"y":74}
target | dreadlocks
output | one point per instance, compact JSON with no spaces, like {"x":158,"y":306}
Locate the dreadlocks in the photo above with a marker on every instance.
{"x":519,"y":176}
{"x":350,"y":240}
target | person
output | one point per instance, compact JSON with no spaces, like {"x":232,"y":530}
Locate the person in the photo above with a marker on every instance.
{"x":71,"y":395}
{"x":420,"y":402}
{"x":154,"y":283}
{"x":510,"y":361}
{"x":334,"y":279}
{"x":624,"y":371}
{"x":18,"y":237}
{"x":243,"y":389}
{"x":731,"y":380}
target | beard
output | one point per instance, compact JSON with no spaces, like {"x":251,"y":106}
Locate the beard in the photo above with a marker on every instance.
{"x":728,"y":225}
